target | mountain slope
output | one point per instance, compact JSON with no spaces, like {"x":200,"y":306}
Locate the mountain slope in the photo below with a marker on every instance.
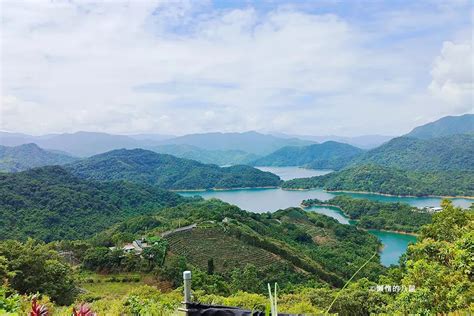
{"x":29,"y":156}
{"x":328,"y":155}
{"x":166,"y":171}
{"x":380,"y":179}
{"x":217,"y":157}
{"x":49,"y":203}
{"x":292,"y":240}
{"x":449,"y":125}
{"x":455,"y":152}
{"x":251,"y":142}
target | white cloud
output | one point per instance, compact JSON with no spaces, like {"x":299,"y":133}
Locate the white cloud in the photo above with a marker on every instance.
{"x":453,"y":75}
{"x":178,"y":67}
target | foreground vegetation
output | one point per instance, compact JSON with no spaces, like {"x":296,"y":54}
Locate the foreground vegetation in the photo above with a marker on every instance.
{"x":378,"y":179}
{"x":377,"y":215}
{"x":438,"y":269}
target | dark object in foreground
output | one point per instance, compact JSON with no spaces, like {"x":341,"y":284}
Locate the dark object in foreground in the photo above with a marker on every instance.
{"x":198,"y":309}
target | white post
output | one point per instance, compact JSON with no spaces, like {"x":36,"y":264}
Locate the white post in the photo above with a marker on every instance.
{"x":187,"y":286}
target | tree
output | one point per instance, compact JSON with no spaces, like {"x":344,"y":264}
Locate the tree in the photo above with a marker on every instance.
{"x":246,"y":279}
{"x":440,"y":265}
{"x":34,"y":267}
{"x":210,"y":266}
{"x":156,"y":253}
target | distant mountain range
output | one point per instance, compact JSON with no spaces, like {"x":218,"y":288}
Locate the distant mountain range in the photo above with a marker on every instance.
{"x":449,"y":125}
{"x":363,"y":141}
{"x":251,"y":142}
{"x":80,"y":144}
{"x":18,"y":158}
{"x":169,"y":172}
{"x":254,"y":148}
{"x":328,"y":155}
{"x":217,"y":148}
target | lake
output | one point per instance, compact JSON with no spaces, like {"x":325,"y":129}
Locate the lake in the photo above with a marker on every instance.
{"x":270,"y":200}
{"x":394,"y":244}
{"x":288,"y":173}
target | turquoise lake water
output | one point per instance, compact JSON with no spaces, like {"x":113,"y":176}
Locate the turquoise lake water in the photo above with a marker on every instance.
{"x":270,"y":200}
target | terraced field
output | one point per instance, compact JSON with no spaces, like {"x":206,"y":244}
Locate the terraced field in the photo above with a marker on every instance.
{"x":201,"y":244}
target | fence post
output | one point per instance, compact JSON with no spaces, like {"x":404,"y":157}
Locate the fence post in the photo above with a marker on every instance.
{"x":187,"y":286}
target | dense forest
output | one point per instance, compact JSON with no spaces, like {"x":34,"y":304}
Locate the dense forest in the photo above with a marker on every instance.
{"x":328,"y":155}
{"x":166,"y":171}
{"x":378,"y":179}
{"x":49,"y":203}
{"x":377,"y":215}
{"x":453,"y":153}
{"x":23,"y":157}
{"x":445,"y":126}
{"x":217,"y":157}
{"x":435,"y":269}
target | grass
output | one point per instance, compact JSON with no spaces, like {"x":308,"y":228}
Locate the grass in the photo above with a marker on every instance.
{"x":109,"y":286}
{"x":110,"y":290}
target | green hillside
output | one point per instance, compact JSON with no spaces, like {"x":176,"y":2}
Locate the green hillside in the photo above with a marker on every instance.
{"x":166,"y":171}
{"x":449,"y":125}
{"x":377,"y":215}
{"x":201,"y":244}
{"x":378,"y":179}
{"x":49,"y":203}
{"x":19,"y":158}
{"x":405,"y":166}
{"x":328,"y":155}
{"x":307,"y":243}
{"x":453,"y":152}
{"x":217,"y":157}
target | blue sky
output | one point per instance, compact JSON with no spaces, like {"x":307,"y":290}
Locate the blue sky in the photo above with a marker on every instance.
{"x":175,"y":67}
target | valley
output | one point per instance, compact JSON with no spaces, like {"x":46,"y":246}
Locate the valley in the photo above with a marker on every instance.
{"x":130,"y":220}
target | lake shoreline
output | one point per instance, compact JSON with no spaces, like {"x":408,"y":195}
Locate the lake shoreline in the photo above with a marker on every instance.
{"x":386,"y":194}
{"x":223,"y":189}
{"x":355,"y":220}
{"x":392,"y":231}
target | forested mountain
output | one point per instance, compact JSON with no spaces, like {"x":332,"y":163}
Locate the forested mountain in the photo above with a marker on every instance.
{"x":166,"y":171}
{"x":28,"y":156}
{"x":217,"y":157}
{"x":449,"y":125}
{"x":49,"y":203}
{"x":379,"y":179}
{"x":328,"y":155}
{"x":455,"y":152}
{"x":251,"y":142}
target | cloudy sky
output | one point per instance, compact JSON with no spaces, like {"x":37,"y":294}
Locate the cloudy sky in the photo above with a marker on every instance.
{"x":314,"y":67}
